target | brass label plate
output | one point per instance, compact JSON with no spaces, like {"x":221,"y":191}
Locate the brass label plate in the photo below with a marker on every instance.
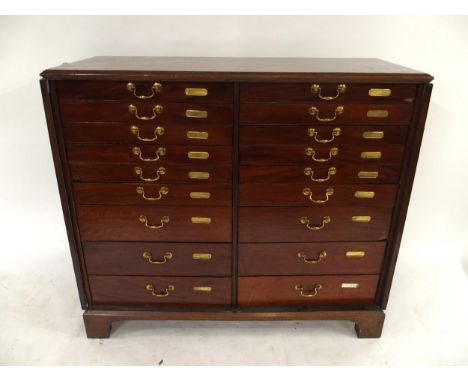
{"x":377,"y":113}
{"x":368,"y":174}
{"x":200,"y":220}
{"x":199,"y":175}
{"x":349,"y":285}
{"x":197,"y":134}
{"x":196,"y":92}
{"x":202,"y":289}
{"x":189,"y":113}
{"x":371,"y":155}
{"x":364,"y":194}
{"x":200,"y":195}
{"x":198,"y":154}
{"x":376,"y":92}
{"x":361,"y":219}
{"x":373,"y":134}
{"x":355,"y":254}
{"x":201,"y":256}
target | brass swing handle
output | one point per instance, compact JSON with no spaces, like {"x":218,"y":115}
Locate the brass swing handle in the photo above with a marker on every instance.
{"x":160,"y":171}
{"x":157,"y":109}
{"x":313,"y":134}
{"x":318,"y":259}
{"x":308,"y":192}
{"x":164,"y":220}
{"x":308,"y":293}
{"x":314,"y":111}
{"x":167,"y":290}
{"x":316,"y":89}
{"x":305,"y":221}
{"x":155,"y":88}
{"x":157,"y":131}
{"x":309,"y":151}
{"x":148,"y":256}
{"x":161,"y":151}
{"x":162,"y":191}
{"x":310,"y":173}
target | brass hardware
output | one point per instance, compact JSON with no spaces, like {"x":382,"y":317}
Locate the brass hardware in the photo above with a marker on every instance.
{"x":368,"y":174}
{"x":198,"y":155}
{"x":198,"y":175}
{"x":375,"y":92}
{"x":316,"y":89}
{"x":148,"y":256}
{"x":155,"y":88}
{"x":305,"y":220}
{"x":200,"y":220}
{"x":371,"y":155}
{"x":318,"y":259}
{"x":308,"y":293}
{"x":361,"y":219}
{"x":309,"y":151}
{"x":162,"y":191}
{"x":355,"y":254}
{"x":167,"y":290}
{"x":308,"y":192}
{"x":200,"y":195}
{"x":157,"y":131}
{"x":197,"y":135}
{"x":364,"y":194}
{"x":196,"y":92}
{"x":314,"y":111}
{"x":201,"y":256}
{"x":373,"y":134}
{"x":313,"y":133}
{"x":377,"y":114}
{"x":160,"y":171}
{"x":349,"y":285}
{"x":309,"y":172}
{"x":161,"y":151}
{"x":202,"y":289}
{"x":196,"y":113}
{"x":164,"y":220}
{"x":157,"y":109}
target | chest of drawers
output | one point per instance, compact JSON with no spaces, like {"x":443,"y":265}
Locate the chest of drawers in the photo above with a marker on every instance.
{"x":234,"y":189}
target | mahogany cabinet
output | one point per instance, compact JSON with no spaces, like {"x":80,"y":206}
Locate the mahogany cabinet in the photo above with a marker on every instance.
{"x":234,"y":188}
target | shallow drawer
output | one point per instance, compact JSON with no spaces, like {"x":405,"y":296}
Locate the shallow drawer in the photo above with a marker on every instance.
{"x":306,"y":290}
{"x":143,"y":223}
{"x":141,"y":133}
{"x":151,"y":173}
{"x":147,"y":290}
{"x":170,"y":194}
{"x":151,"y":90}
{"x":310,"y":224}
{"x":163,"y":155}
{"x":306,"y":194}
{"x":364,"y":114}
{"x":310,"y":258}
{"x":166,"y":259}
{"x":311,"y":134}
{"x":160,"y":113}
{"x":315,"y":92}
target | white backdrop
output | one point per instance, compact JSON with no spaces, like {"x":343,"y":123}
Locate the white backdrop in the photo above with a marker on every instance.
{"x":428,"y":301}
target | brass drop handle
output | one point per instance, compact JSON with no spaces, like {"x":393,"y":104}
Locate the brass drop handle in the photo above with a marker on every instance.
{"x":160,"y":171}
{"x":157,"y":109}
{"x":316,"y":89}
{"x":305,"y":221}
{"x":161,"y":151}
{"x":148,"y":256}
{"x":313,"y":134}
{"x":308,"y":293}
{"x":314,"y":111}
{"x":308,"y":192}
{"x":167,"y":290}
{"x":164,"y":220}
{"x":318,"y":259}
{"x":162,"y":191}
{"x":310,"y":173}
{"x":157,"y":131}
{"x":155,"y":88}
{"x":309,"y":151}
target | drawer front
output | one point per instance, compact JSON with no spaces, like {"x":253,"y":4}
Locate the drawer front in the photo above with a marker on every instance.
{"x":310,"y":258}
{"x":307,"y":290}
{"x":160,"y":113}
{"x":124,"y":223}
{"x":313,"y":135}
{"x":306,"y":194}
{"x":165,"y":259}
{"x":363,"y":114}
{"x":313,"y":92}
{"x":170,"y":194}
{"x":310,"y":224}
{"x":142,"y":133}
{"x":148,"y":290}
{"x":151,"y":90}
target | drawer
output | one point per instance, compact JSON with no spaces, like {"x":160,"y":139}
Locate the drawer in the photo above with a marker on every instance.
{"x":151,"y":173}
{"x":124,"y":223}
{"x":307,"y":290}
{"x":163,"y":155}
{"x":165,"y":259}
{"x":310,"y":258}
{"x":141,"y":133}
{"x":319,"y":154}
{"x":170,"y":194}
{"x":150,"y":290}
{"x":322,"y":175}
{"x":310,"y":224}
{"x":315,"y":92}
{"x":301,"y":113}
{"x":151,"y":90}
{"x":187,"y":114}
{"x":306,"y":194}
{"x":311,"y":134}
